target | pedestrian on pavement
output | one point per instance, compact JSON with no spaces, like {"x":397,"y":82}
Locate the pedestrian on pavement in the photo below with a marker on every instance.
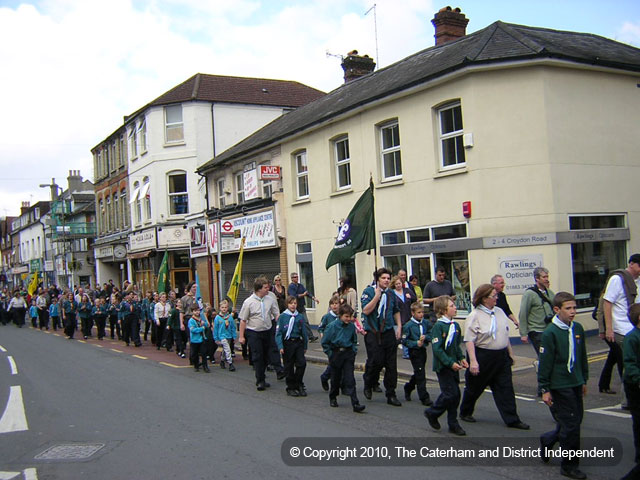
{"x":280,"y":292}
{"x":42,"y":302}
{"x":536,"y":309}
{"x":292,"y":340}
{"x":490,"y":358}
{"x":436,"y":288}
{"x":631,"y":355}
{"x":416,"y":336}
{"x":497,"y":281}
{"x":298,"y":290}
{"x":340,"y":343}
{"x":562,"y":379}
{"x":328,"y":319}
{"x":448,"y":360}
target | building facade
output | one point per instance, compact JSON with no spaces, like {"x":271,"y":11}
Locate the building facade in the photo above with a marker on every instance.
{"x":30,"y":246}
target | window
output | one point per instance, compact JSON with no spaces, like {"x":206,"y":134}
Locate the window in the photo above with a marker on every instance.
{"x":593,"y":261}
{"x":107,"y":160}
{"x":101,"y":216}
{"x":178,"y":197}
{"x":393,"y":238}
{"x":142,"y":135}
{"x":125,"y":210}
{"x":113,"y":155}
{"x":240,"y":188}
{"x":305,"y":270}
{"x":390,"y":143}
{"x":133,"y":142}
{"x":109,"y":214}
{"x":343,"y":163}
{"x":420,"y":235}
{"x":136,"y":201}
{"x":145,"y":197}
{"x":302,"y":175}
{"x":174,"y":128}
{"x":451,"y":147}
{"x":267,"y":189}
{"x":116,"y":209}
{"x":121,"y":151}
{"x":221,"y":194}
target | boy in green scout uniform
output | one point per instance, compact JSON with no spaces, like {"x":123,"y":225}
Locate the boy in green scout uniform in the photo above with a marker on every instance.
{"x":631,"y":356}
{"x":562,"y":379}
{"x":448,"y":360}
{"x":416,"y":335}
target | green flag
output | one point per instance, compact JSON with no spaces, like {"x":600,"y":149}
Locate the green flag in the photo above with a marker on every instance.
{"x":358,"y":232}
{"x":163,"y":272}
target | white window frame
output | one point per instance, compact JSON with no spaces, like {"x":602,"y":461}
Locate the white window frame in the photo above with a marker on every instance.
{"x":174,"y":194}
{"x":133,"y":142}
{"x":145,"y":197}
{"x":125,"y":210}
{"x":239,"y":186}
{"x":454,"y":134}
{"x":137,"y":204}
{"x":344,"y":163}
{"x":390,"y":150}
{"x":301,"y":175}
{"x":142,"y":129}
{"x":121,"y":156}
{"x":171,"y":126}
{"x":222,"y":196}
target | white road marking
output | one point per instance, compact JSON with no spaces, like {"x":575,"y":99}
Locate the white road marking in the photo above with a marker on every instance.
{"x":30,"y":474}
{"x":519,"y":397}
{"x":14,"y":418}
{"x":2,"y":349}
{"x":12,"y":363}
{"x":8,"y":475}
{"x":607,"y":411}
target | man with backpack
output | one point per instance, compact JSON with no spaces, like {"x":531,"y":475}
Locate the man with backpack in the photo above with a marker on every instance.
{"x":536,"y":309}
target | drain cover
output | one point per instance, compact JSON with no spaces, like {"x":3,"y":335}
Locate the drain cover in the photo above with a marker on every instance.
{"x":71,"y":451}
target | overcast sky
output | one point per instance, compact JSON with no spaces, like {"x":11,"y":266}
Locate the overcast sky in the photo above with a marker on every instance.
{"x":71,"y":69}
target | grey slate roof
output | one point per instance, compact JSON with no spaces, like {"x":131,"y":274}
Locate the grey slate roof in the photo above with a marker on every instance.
{"x":499,"y":42}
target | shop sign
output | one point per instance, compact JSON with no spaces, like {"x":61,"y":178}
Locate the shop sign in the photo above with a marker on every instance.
{"x":48,"y":265}
{"x":269,"y":172}
{"x":20,"y":269}
{"x":250,"y":185}
{"x":104,"y":252}
{"x":173,"y":236}
{"x":520,"y":240}
{"x":35,"y":265}
{"x":144,"y":240}
{"x":213,"y":237}
{"x":258,"y":230}
{"x":198,"y":244}
{"x":518,"y":272}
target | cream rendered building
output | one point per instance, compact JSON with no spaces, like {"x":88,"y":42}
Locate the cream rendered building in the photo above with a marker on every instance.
{"x":531,"y":132}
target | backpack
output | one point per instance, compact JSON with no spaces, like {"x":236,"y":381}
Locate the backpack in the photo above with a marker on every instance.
{"x":598,"y":311}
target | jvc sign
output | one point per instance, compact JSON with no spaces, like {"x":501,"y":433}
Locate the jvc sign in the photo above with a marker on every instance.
{"x":269,"y":172}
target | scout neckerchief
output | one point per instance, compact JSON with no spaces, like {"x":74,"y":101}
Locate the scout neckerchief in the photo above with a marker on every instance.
{"x":419,"y":325}
{"x":292,"y":320}
{"x":382,"y":306}
{"x":264,"y":312}
{"x":492,"y":328}
{"x":452,"y":330}
{"x":226,"y":319}
{"x":572,"y":354}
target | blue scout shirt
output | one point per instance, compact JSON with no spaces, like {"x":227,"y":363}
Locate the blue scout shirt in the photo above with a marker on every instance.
{"x":411,"y":333}
{"x":297,"y":331}
{"x":339,"y":335}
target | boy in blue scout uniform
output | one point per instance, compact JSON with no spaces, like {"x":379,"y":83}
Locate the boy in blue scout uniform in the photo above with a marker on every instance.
{"x":448,"y":360}
{"x":416,"y":335}
{"x":340,"y":342}
{"x":292,"y":341}
{"x":562,"y":379}
{"x":381,"y":320}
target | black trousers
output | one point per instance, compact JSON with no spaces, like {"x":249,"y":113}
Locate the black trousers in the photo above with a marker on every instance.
{"x":259,"y":344}
{"x":70,"y":324}
{"x":172,"y":336}
{"x":613,"y":358}
{"x":18,"y":316}
{"x":101,"y":323}
{"x":114,"y":326}
{"x":198,"y":355}
{"x":55,"y":322}
{"x":342,"y":365}
{"x":418,"y":358}
{"x":160,"y":330}
{"x":383,"y":355}
{"x":274,"y":353}
{"x":567,"y":410}
{"x":449,"y":397}
{"x":134,"y":323}
{"x":86,"y":324}
{"x":495,"y":372}
{"x":43,"y":316}
{"x":535,"y":338}
{"x":633,"y":400}
{"x":294,"y":363}
{"x":34,"y":322}
{"x":126,"y":329}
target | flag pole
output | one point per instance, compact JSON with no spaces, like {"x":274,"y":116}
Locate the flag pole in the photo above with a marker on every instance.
{"x":375,"y":242}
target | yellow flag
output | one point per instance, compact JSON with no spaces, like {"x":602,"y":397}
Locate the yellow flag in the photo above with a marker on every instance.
{"x":234,"y":287}
{"x":33,"y":286}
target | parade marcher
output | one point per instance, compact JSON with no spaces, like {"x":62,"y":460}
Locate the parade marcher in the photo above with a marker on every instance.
{"x":69,"y":310}
{"x":448,"y":360}
{"x":490,"y":358}
{"x":161,"y":314}
{"x":404,"y":298}
{"x":416,"y":336}
{"x":145,"y":317}
{"x":275,"y":363}
{"x":84,"y":312}
{"x":224,"y":331}
{"x":18,"y":308}
{"x":99,"y":313}
{"x":631,"y":356}
{"x":196,"y":327}
{"x":54,"y":313}
{"x":381,"y":320}
{"x":114,"y":324}
{"x":174,"y":325}
{"x":4,"y":308}
{"x":255,"y":328}
{"x":33,"y":313}
{"x":562,"y":379}
{"x":292,"y":340}
{"x":135,"y":314}
{"x":340,"y":343}
{"x":42,"y":302}
{"x":327,"y":319}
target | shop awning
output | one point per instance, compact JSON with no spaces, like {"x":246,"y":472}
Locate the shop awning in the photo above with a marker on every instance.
{"x":143,"y":254}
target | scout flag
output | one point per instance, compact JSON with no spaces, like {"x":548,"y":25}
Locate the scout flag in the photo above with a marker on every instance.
{"x":358,"y":232}
{"x":162,"y":273}
{"x":234,"y":287}
{"x":33,"y":285}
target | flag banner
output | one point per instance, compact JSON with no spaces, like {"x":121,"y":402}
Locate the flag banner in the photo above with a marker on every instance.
{"x":234,"y":287}
{"x":33,"y":286}
{"x":163,"y":272}
{"x":358,"y":232}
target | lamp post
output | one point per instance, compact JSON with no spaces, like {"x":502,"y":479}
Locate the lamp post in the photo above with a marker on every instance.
{"x":54,"y":196}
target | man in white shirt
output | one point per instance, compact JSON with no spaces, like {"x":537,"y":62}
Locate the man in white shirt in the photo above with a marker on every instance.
{"x":616,"y":306}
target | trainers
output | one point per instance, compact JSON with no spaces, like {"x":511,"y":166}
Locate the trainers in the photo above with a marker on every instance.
{"x":302,"y":391}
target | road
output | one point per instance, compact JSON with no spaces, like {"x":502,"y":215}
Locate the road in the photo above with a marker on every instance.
{"x":101,"y":410}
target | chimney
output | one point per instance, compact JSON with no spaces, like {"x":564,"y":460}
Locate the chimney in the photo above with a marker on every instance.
{"x":356,"y":66}
{"x":450,"y":24}
{"x":74,"y":181}
{"x":24,"y":208}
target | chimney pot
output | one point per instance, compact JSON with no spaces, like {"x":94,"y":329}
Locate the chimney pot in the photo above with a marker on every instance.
{"x":450,"y":24}
{"x":356,"y":66}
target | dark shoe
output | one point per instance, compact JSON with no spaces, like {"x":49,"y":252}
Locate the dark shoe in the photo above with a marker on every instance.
{"x":393,"y":400}
{"x":377,"y":389}
{"x":519,"y":426}
{"x":266,"y":384}
{"x":196,"y":369}
{"x":367,"y":393}
{"x":608,"y":391}
{"x":269,"y":368}
{"x":625,"y":406}
{"x":206,"y":369}
{"x":325,"y":384}
{"x":543,"y":448}
{"x":292,"y":392}
{"x":222,"y":365}
{"x":407,"y":392}
{"x":313,"y":339}
{"x":232,"y":367}
{"x":261,"y":386}
{"x":302,"y":391}
{"x":433,"y":420}
{"x":359,"y":408}
{"x":457,"y":430}
{"x":281,"y":375}
{"x":467,"y":418}
{"x":573,"y":473}
{"x":333,"y":402}
{"x":427,"y":402}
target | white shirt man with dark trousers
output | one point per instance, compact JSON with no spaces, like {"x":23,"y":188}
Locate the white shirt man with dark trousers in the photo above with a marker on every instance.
{"x":256,"y":318}
{"x":383,"y":330}
{"x":616,"y":306}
